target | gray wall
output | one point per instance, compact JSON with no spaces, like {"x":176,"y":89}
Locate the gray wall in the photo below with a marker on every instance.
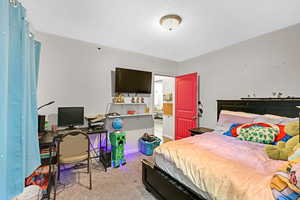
{"x":261,"y":65}
{"x":75,"y":73}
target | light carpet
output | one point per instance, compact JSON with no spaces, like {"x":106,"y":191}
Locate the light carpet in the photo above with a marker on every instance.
{"x":124,"y":183}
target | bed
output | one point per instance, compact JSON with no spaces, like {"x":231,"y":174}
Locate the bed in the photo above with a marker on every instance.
{"x":207,"y":166}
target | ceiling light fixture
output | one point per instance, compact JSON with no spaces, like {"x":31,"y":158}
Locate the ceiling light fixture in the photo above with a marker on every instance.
{"x":170,"y":22}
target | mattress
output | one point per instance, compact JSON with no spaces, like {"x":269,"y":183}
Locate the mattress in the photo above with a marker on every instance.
{"x":219,"y":167}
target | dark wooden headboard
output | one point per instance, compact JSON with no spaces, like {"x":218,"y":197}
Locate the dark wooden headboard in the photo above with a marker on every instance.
{"x":281,"y":107}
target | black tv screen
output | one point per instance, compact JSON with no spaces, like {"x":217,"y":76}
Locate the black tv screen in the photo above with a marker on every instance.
{"x":133,"y":81}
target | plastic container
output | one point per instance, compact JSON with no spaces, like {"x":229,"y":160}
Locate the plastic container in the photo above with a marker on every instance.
{"x":147,"y":148}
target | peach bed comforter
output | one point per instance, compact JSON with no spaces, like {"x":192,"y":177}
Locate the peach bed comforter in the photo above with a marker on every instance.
{"x":224,"y":167}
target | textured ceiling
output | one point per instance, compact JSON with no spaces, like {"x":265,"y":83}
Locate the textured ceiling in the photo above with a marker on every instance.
{"x":133,"y":25}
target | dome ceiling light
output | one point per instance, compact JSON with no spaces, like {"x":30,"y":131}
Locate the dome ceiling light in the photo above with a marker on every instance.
{"x":170,"y":22}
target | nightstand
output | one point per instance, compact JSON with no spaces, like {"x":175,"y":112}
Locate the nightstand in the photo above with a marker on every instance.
{"x":200,"y":130}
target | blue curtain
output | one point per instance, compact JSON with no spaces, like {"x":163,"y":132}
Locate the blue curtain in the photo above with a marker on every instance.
{"x":19,"y":63}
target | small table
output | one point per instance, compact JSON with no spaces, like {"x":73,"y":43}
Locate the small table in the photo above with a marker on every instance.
{"x":200,"y":130}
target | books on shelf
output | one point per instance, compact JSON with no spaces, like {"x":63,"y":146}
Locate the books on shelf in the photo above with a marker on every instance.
{"x":45,"y":153}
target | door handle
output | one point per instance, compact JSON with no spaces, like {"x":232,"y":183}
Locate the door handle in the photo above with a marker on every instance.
{"x":194,"y":118}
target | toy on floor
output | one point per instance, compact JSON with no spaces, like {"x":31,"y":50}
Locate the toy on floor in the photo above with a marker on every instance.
{"x":118,"y":141}
{"x":283,"y":150}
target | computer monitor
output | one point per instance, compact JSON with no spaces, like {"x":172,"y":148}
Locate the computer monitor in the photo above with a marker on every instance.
{"x":70,"y":116}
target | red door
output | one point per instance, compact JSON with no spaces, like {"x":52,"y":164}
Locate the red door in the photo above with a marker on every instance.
{"x":186,"y":105}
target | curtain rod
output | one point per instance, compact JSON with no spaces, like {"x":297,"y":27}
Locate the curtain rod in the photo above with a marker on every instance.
{"x":31,"y":29}
{"x":14,"y":2}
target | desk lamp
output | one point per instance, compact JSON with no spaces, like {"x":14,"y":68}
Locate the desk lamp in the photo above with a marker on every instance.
{"x":47,"y":104}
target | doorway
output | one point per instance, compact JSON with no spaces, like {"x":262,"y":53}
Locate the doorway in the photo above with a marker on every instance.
{"x":163,"y":109}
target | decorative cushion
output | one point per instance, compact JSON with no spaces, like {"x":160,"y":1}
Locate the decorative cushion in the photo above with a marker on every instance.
{"x":282,"y":136}
{"x":229,"y":132}
{"x":235,"y":128}
{"x":264,"y":135}
{"x":236,"y":131}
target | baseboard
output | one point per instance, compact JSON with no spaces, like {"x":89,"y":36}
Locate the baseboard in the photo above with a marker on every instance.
{"x":169,"y":137}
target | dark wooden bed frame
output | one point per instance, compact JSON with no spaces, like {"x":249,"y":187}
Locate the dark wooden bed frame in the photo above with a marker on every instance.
{"x":165,"y":187}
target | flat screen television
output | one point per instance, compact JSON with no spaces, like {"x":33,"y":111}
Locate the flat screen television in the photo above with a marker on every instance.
{"x":133,"y":81}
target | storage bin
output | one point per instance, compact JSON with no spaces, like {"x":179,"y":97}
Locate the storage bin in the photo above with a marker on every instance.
{"x":147,"y":148}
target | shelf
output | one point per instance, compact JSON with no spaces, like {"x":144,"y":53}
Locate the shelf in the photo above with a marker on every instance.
{"x":129,"y":103}
{"x":133,"y":115}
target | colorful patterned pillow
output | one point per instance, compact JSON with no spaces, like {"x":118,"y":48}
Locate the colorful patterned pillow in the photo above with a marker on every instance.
{"x":282,"y":135}
{"x":235,"y":128}
{"x":264,"y":135}
{"x":229,"y":132}
{"x":242,"y":126}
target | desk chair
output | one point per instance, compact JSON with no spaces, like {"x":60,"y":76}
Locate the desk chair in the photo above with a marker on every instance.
{"x":73,"y":148}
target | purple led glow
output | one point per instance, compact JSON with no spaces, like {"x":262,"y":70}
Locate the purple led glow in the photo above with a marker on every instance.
{"x":95,"y":138}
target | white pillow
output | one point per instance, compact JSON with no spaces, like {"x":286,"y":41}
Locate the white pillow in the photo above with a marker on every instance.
{"x":222,"y":127}
{"x":227,"y":118}
{"x":282,"y":120}
{"x":264,"y":119}
{"x":275,"y":116}
{"x":241,"y":114}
